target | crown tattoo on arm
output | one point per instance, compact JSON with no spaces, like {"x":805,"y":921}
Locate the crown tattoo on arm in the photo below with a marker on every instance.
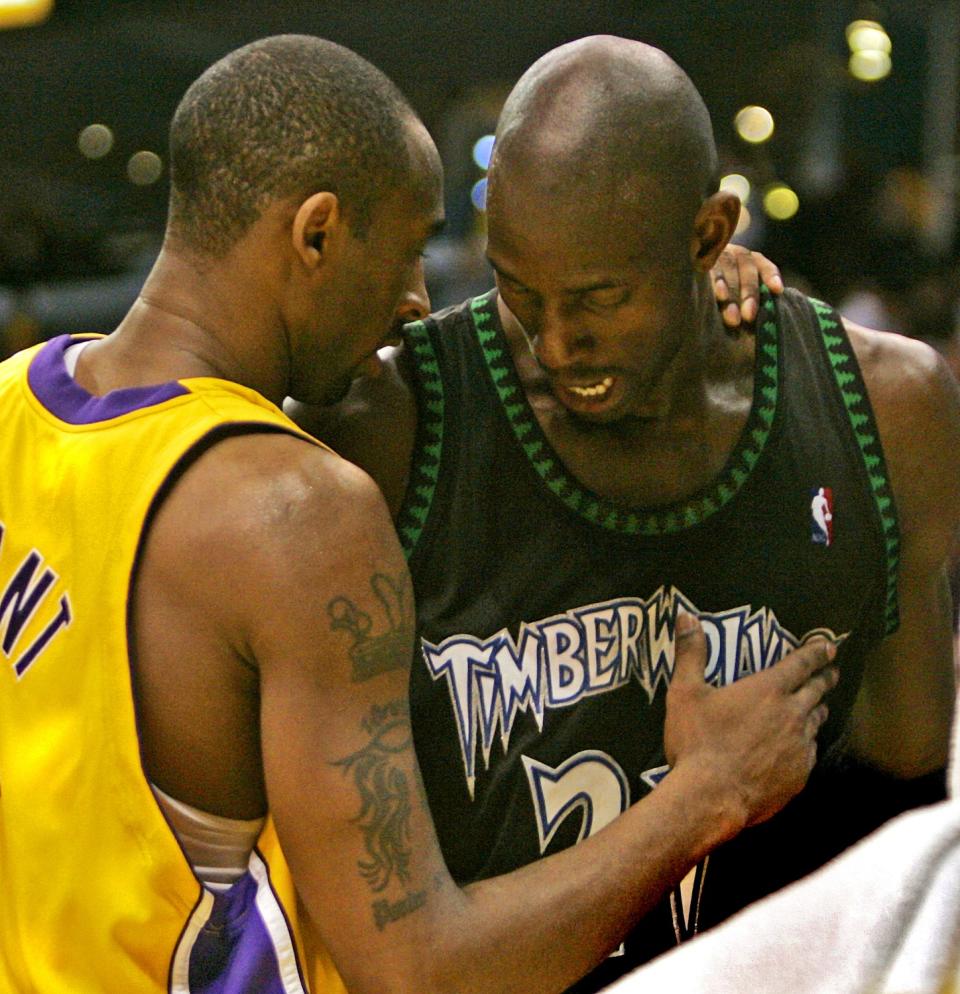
{"x":389,"y":649}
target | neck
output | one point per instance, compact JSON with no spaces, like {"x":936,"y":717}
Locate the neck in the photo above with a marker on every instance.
{"x":190,"y":322}
{"x":709,"y":360}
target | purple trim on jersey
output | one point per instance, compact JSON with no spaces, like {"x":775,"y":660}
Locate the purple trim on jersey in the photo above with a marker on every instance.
{"x":63,"y":397}
{"x":234,"y":954}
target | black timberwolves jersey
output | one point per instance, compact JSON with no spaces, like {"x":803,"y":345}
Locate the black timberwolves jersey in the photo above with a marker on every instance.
{"x":546,"y":612}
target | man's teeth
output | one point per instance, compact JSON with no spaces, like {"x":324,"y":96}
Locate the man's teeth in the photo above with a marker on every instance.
{"x":597,"y":390}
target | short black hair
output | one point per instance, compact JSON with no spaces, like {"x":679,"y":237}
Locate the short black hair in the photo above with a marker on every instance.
{"x":282,"y":117}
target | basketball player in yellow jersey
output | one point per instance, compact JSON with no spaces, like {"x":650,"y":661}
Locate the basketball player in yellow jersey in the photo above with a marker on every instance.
{"x":206,"y":617}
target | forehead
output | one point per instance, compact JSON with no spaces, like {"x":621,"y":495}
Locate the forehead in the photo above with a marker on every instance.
{"x":547,"y":226}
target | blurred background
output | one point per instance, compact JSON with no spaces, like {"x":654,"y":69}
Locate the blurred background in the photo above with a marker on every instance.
{"x":837,"y":122}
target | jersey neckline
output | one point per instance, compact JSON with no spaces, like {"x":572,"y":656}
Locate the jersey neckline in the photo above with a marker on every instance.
{"x":599,"y":510}
{"x":65,"y":399}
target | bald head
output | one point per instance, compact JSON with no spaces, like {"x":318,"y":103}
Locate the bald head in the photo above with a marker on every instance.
{"x":608,"y":120}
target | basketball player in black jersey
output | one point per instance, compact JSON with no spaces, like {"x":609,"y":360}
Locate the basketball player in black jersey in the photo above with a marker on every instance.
{"x":580,"y":454}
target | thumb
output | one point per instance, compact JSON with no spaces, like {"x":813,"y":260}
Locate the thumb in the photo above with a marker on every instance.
{"x":690,"y":653}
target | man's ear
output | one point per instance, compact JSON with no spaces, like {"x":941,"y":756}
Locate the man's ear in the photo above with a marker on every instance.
{"x":713,"y":227}
{"x":318,"y":228}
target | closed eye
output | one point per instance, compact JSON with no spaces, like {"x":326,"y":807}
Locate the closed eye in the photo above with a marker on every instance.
{"x":606,"y":296}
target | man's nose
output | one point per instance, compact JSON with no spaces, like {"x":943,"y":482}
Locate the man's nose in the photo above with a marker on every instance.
{"x":560,"y":339}
{"x":415,"y":301}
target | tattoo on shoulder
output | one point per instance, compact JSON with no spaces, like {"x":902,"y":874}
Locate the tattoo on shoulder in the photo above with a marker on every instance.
{"x":384,"y":794}
{"x":385,"y":650}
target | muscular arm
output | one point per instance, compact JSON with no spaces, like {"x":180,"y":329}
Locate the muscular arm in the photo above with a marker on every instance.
{"x":279,"y":562}
{"x":901,"y":720}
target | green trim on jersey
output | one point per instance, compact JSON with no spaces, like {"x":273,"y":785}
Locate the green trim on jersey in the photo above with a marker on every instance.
{"x":599,"y":510}
{"x":425,"y":468}
{"x":857,"y":405}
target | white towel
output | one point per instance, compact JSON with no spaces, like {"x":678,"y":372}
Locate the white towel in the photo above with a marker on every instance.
{"x":883,"y":918}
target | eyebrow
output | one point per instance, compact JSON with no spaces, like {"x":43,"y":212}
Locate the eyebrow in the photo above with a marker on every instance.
{"x":586,"y":288}
{"x":500,"y":271}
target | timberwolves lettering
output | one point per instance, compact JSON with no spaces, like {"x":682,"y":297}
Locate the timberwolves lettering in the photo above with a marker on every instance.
{"x":589,"y":650}
{"x":26,"y":592}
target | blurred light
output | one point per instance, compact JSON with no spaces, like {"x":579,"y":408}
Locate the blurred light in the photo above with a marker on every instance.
{"x":482,"y":150}
{"x":870,"y":66}
{"x":95,"y":141}
{"x":780,"y":202}
{"x":478,"y":195}
{"x":868,"y":36}
{"x":744,"y":221}
{"x":144,"y":168}
{"x":737,"y":184}
{"x":754,"y":124}
{"x":21,"y":13}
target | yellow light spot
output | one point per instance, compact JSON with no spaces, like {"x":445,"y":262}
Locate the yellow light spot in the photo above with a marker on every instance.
{"x":868,"y":36}
{"x":95,"y":141}
{"x":869,"y":66}
{"x":738,"y":184}
{"x":754,"y":124}
{"x":780,"y":202}
{"x":744,"y":221}
{"x":144,"y":168}
{"x":22,"y":13}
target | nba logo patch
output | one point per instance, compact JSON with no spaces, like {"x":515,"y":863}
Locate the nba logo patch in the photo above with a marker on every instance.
{"x":821,"y":516}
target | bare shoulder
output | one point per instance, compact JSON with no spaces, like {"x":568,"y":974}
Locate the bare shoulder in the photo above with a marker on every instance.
{"x":241,"y":561}
{"x":374,"y":426}
{"x":281,"y":504}
{"x":916,"y":401}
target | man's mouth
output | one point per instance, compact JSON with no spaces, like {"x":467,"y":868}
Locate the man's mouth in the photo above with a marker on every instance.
{"x":592,"y":399}
{"x":596,"y":391}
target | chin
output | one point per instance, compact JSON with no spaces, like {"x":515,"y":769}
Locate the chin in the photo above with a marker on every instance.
{"x":598,"y":419}
{"x":322,"y":395}
{"x":337,"y":392}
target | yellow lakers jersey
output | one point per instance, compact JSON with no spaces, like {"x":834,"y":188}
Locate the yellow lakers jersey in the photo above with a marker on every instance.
{"x":96,"y":895}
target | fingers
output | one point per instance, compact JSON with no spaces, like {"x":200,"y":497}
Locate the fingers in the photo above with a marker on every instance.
{"x":809,"y":696}
{"x":731,"y":313}
{"x":769,"y":273}
{"x":690,"y":659}
{"x":815,"y":720}
{"x":726,"y":285}
{"x":736,"y":283}
{"x":811,"y":660}
{"x":749,"y":287}
{"x":726,"y":288}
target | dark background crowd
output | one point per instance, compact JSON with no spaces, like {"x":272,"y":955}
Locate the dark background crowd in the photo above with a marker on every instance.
{"x":862,"y":162}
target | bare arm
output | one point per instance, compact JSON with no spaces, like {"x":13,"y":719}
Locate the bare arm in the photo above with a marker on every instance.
{"x":901,"y":720}
{"x":302,"y":578}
